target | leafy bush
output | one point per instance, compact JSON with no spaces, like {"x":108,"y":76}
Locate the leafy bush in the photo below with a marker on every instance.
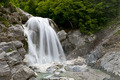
{"x":4,"y":2}
{"x":87,"y":15}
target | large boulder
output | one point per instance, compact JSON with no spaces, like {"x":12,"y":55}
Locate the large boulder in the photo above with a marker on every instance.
{"x":21,"y":72}
{"x":62,"y":35}
{"x":111,"y":62}
{"x":75,"y":44}
{"x":16,"y":33}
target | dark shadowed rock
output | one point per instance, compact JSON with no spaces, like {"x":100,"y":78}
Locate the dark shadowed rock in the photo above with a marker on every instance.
{"x":53,"y":25}
{"x":67,"y":46}
{"x":2,"y":27}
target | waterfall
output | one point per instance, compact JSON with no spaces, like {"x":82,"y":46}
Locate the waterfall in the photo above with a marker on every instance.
{"x":43,"y":43}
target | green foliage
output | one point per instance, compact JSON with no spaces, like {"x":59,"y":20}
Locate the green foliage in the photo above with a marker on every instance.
{"x":4,"y":21}
{"x":118,"y":32}
{"x":87,"y":15}
{"x":9,"y":50}
{"x":4,"y":2}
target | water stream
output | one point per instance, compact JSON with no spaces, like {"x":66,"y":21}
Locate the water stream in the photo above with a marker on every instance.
{"x":43,"y":43}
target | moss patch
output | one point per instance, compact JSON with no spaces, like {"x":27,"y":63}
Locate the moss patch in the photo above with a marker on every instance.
{"x":9,"y":50}
{"x":118,"y":32}
{"x":4,"y":21}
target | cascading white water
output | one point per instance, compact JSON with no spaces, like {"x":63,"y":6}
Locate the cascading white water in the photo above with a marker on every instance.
{"x":43,"y":43}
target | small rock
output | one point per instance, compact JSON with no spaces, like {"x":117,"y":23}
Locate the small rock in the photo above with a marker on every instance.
{"x":62,"y":35}
{"x":33,"y":78}
{"x":76,"y":68}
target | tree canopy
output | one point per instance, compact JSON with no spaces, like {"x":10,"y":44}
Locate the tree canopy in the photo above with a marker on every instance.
{"x":88,"y":16}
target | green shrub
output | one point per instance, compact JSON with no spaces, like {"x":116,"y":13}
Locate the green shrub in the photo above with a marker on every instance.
{"x":87,"y":15}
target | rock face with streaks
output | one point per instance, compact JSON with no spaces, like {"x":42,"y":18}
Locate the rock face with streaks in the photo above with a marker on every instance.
{"x":12,"y":49}
{"x":74,"y":43}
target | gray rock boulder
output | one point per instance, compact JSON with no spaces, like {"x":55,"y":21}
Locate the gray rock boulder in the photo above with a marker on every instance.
{"x":14,"y":58}
{"x":76,"y":68}
{"x":16,"y":33}
{"x":17,"y":44}
{"x":21,"y":72}
{"x":75,"y":44}
{"x":75,"y":38}
{"x":5,"y":73}
{"x":62,"y":35}
{"x":111,"y":62}
{"x":67,"y":46}
{"x":22,"y":52}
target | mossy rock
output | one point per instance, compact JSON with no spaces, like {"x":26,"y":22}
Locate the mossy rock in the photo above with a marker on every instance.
{"x":9,"y":50}
{"x":118,"y":32}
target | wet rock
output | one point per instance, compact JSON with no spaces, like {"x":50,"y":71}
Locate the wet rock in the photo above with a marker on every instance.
{"x":52,"y":69}
{"x":77,"y":61}
{"x":77,"y":68}
{"x":53,"y":25}
{"x":62,"y":35}
{"x":59,"y":78}
{"x":33,"y":78}
{"x":21,"y":72}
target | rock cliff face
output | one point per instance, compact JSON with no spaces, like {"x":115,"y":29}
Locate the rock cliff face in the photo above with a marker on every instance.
{"x":12,"y":50}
